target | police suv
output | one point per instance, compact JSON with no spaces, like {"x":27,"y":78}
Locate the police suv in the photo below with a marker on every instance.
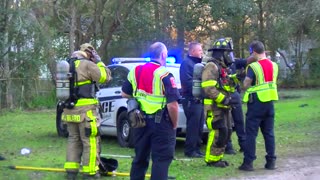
{"x":113,"y":108}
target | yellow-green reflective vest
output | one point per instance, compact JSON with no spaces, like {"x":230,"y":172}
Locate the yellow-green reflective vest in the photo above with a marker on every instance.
{"x":149,"y":102}
{"x":266,"y":91}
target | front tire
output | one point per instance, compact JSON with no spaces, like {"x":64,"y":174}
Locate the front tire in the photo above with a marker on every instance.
{"x":124,"y":134}
{"x":61,"y":127}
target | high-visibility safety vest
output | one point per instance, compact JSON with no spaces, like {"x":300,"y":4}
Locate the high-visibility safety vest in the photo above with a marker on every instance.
{"x":147,"y":86}
{"x":266,"y":83}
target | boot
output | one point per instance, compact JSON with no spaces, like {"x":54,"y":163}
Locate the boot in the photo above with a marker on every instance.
{"x":95,"y":176}
{"x":220,"y":163}
{"x":72,"y":175}
{"x":246,"y":167}
{"x":270,"y":165}
{"x":229,"y":149}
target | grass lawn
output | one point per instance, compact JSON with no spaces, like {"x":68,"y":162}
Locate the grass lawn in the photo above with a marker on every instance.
{"x":297,"y":129}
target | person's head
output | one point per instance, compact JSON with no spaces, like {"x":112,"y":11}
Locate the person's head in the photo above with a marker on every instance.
{"x":79,"y":55}
{"x":256,"y":49}
{"x":222,"y":51}
{"x":195,"y":50}
{"x":158,"y":52}
{"x":88,"y":48}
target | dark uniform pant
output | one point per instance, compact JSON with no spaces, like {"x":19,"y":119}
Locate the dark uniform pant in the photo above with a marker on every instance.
{"x":238,"y":120}
{"x":259,"y":114}
{"x":83,"y":145}
{"x":195,"y":120}
{"x":159,"y":139}
{"x":220,"y":121}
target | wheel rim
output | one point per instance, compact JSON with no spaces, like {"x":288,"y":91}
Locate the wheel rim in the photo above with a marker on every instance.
{"x":125,"y":130}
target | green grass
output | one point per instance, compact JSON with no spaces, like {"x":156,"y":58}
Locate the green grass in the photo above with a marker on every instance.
{"x":296,"y":128}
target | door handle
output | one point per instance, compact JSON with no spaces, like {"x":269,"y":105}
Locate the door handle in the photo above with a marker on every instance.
{"x":117,"y":92}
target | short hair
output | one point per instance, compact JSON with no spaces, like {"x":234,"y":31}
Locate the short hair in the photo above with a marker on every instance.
{"x":156,"y":49}
{"x":257,"y":46}
{"x":192,"y":45}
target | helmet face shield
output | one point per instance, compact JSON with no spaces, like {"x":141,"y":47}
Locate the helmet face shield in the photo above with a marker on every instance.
{"x":228,"y":58}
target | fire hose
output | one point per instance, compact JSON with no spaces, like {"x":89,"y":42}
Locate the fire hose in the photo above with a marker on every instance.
{"x":113,"y":173}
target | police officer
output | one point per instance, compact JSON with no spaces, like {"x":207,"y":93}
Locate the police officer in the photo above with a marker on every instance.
{"x":156,"y":91}
{"x":83,"y":120}
{"x":261,"y":91}
{"x":217,"y":87}
{"x":192,"y":106}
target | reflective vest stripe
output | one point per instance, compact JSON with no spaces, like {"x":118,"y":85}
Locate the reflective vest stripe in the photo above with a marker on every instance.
{"x":266,"y":91}
{"x":208,"y":83}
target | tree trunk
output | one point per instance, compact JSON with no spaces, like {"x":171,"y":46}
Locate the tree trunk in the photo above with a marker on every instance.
{"x":73,"y":27}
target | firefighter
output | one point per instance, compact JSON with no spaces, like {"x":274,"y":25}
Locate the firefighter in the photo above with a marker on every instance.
{"x":260,"y":84}
{"x":83,"y":120}
{"x":155,"y":89}
{"x":217,"y":87}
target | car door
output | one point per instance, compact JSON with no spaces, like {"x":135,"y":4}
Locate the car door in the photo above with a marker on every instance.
{"x":110,"y":98}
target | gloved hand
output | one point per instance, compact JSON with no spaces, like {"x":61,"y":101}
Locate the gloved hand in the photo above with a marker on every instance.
{"x":229,"y":100}
{"x":96,"y":57}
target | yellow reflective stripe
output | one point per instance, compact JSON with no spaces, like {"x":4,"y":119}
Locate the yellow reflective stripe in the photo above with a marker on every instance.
{"x":262,"y":87}
{"x":159,"y":74}
{"x":86,"y":101}
{"x":92,"y":168}
{"x":209,"y":119}
{"x":207,"y":101}
{"x":80,"y":83}
{"x":220,"y":98}
{"x":103,"y":73}
{"x":234,"y":78}
{"x":209,"y":157}
{"x":208,"y":83}
{"x":71,"y":165}
{"x":76,"y":63}
{"x":229,"y":88}
{"x":71,"y":118}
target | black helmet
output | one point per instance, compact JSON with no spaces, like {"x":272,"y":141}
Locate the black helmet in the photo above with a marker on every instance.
{"x":107,"y":165}
{"x":222,"y":44}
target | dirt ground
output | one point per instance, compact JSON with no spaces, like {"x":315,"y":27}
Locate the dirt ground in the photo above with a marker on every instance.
{"x":298,"y":168}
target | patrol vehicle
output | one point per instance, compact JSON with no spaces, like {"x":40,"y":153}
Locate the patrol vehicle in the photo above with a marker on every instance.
{"x":113,"y":108}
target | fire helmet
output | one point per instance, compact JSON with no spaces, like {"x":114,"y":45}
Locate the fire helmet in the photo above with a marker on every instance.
{"x":222,"y":50}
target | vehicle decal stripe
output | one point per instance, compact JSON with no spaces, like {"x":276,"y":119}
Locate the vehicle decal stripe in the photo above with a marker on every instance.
{"x":109,"y":98}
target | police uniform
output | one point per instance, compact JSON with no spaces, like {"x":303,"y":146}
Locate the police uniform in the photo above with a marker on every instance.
{"x":193,"y":109}
{"x":155,"y":88}
{"x":260,"y":111}
{"x":83,"y":120}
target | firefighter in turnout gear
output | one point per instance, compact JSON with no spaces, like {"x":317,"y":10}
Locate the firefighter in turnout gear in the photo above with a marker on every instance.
{"x":217,"y":87}
{"x":83,"y":119}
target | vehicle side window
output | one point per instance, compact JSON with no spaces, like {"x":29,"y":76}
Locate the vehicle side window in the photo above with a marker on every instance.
{"x":119,"y":75}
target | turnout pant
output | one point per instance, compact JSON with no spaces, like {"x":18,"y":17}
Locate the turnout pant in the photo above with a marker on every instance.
{"x":83,"y":144}
{"x":219,"y":124}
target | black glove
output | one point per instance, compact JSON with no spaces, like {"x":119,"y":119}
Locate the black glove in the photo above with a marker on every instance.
{"x":229,"y":100}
